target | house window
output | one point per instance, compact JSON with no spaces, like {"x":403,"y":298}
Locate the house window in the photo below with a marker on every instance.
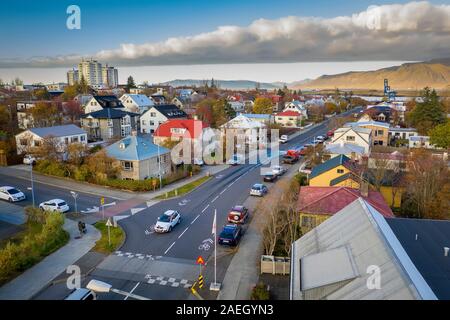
{"x":37,"y":143}
{"x":82,"y":138}
{"x":309,"y":222}
{"x":340,"y":170}
{"x":110,"y":123}
{"x":153,"y":114}
{"x":380,"y":132}
{"x":66,"y":140}
{"x":127,"y":165}
{"x":110,"y":132}
{"x":143,"y":122}
{"x":74,"y":139}
{"x":152,"y":123}
{"x":350,"y":138}
{"x":23,"y":142}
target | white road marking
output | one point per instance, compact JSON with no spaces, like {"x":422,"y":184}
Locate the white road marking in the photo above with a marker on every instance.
{"x":217,"y":197}
{"x":183,"y":233}
{"x":132,"y":290}
{"x":169,"y":247}
{"x":195,"y":219}
{"x":223,"y":190}
{"x":205,"y":208}
{"x":231,"y":184}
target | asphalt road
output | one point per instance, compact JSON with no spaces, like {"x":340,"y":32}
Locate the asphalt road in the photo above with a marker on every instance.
{"x":44,"y":192}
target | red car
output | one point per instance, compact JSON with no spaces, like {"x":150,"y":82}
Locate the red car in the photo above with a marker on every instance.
{"x":238,"y":214}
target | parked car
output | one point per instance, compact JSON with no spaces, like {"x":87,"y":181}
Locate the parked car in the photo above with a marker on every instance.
{"x":278,"y":170}
{"x":330,"y":133}
{"x":320,"y":139}
{"x":289,"y":159}
{"x":11,"y":194}
{"x":238,"y":214}
{"x":283,"y":139}
{"x":259,"y":190}
{"x":55,"y":205}
{"x":29,"y":159}
{"x":230,"y":235}
{"x":167,"y":221}
{"x":269,"y":177}
{"x":198,"y":162}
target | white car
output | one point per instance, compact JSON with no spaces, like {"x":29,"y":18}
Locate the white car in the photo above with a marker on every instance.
{"x":29,"y":159}
{"x":11,"y":194}
{"x":283,"y":139}
{"x":259,"y":190}
{"x":278,"y":170}
{"x":55,"y":205}
{"x":167,"y":221}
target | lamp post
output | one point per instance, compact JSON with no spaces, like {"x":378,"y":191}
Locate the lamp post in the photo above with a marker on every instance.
{"x":103,"y":287}
{"x":32,"y":183}
{"x":159,"y":169}
{"x":75,"y":196}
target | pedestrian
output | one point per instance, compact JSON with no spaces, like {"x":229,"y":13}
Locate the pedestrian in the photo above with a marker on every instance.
{"x":84,"y":227}
{"x":80,"y":228}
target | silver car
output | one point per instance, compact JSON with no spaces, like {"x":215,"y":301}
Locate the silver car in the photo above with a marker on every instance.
{"x":258,"y":190}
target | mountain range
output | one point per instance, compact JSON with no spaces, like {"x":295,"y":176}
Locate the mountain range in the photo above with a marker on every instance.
{"x":408,"y":76}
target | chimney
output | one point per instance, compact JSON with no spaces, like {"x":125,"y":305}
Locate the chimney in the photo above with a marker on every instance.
{"x":446,"y":251}
{"x":364,"y":189}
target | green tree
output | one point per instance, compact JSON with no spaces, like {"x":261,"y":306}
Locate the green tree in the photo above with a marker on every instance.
{"x":440,"y":135}
{"x":42,"y":94}
{"x":263,"y":106}
{"x":70,"y":92}
{"x":427,"y":114}
{"x":82,"y":86}
{"x":130,"y":83}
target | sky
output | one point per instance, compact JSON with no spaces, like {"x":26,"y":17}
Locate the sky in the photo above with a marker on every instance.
{"x":289,"y":39}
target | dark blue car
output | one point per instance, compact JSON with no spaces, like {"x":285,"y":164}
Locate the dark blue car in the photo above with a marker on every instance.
{"x":230,"y":235}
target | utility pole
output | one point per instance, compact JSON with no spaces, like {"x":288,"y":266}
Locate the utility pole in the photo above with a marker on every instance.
{"x":32,"y":183}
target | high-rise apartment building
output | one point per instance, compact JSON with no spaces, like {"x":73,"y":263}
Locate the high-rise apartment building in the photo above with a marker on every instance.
{"x":110,"y":76}
{"x":94,"y":74}
{"x":72,"y":77}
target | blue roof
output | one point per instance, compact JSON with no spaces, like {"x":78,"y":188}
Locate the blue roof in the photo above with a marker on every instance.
{"x":328,"y":165}
{"x":256,"y":115}
{"x":135,"y":148}
{"x":58,"y":131}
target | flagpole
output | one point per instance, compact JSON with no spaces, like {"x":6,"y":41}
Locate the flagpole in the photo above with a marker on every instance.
{"x":215,"y":246}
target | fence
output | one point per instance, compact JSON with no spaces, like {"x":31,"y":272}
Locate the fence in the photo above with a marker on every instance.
{"x":275,"y":265}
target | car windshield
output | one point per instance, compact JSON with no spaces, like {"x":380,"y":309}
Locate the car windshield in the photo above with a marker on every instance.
{"x":164,"y":218}
{"x":13,"y":191}
{"x":257,"y":187}
{"x":62,"y":203}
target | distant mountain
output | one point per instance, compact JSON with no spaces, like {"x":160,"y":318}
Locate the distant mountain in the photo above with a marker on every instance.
{"x":225,"y":84}
{"x":408,"y":76}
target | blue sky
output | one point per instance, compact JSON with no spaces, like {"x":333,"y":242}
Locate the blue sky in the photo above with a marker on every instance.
{"x":35,"y":28}
{"x":260,"y":40}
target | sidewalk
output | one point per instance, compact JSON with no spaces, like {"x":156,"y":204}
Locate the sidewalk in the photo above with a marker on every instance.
{"x":244,"y":270}
{"x":33,"y":280}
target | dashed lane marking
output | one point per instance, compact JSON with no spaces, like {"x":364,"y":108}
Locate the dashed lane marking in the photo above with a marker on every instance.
{"x":183,"y":233}
{"x":217,"y":197}
{"x":205,"y":208}
{"x":132,"y":290}
{"x":169,"y":247}
{"x":195,"y":219}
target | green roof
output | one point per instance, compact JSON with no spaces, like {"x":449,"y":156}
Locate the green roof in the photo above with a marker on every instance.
{"x":328,"y":165}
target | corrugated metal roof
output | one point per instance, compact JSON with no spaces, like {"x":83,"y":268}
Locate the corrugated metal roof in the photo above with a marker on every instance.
{"x":328,"y":165}
{"x":58,"y":131}
{"x":135,"y":148}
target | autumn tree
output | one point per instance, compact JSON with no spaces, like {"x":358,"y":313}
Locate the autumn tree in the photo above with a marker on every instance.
{"x":440,"y":135}
{"x":70,"y":92}
{"x":330,"y":108}
{"x":262,"y":106}
{"x":73,"y":110}
{"x":427,"y":182}
{"x":76,"y":153}
{"x":103,"y":166}
{"x":427,"y":114}
{"x":42,"y":94}
{"x":203,"y":111}
{"x":45,"y":114}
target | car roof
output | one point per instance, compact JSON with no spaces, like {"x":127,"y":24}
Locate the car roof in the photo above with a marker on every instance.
{"x":258,"y":185}
{"x":230,"y":226}
{"x":78,"y":294}
{"x":7,"y":187}
{"x":169,"y":212}
{"x":238,"y":208}
{"x":55,"y":200}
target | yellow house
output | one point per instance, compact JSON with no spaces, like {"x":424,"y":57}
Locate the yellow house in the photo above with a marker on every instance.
{"x":322,"y":174}
{"x":316,"y":204}
{"x":339,"y":172}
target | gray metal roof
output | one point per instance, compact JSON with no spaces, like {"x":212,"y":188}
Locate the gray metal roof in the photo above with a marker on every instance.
{"x":427,"y":252}
{"x":58,"y":131}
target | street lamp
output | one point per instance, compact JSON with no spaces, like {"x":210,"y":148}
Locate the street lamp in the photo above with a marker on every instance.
{"x":159,"y":169}
{"x":103,"y":287}
{"x":75,"y":196}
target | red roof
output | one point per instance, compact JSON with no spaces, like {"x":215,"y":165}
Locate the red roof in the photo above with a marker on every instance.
{"x":330,"y":200}
{"x":190,"y":128}
{"x":288,"y":113}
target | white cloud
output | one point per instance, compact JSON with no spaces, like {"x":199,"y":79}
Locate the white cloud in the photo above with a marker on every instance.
{"x":412,"y":31}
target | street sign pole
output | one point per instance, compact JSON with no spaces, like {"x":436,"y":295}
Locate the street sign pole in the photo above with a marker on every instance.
{"x":109,"y":224}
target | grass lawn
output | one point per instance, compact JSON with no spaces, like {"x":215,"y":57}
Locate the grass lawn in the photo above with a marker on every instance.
{"x":184,"y":189}
{"x":117,"y":237}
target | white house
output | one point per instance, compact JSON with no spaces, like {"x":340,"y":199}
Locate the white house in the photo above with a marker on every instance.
{"x":402,"y":133}
{"x":354,"y":135}
{"x":420,"y":142}
{"x":296,"y":106}
{"x":65,"y":135}
{"x":136,"y":103}
{"x":98,"y":103}
{"x":152,"y":118}
{"x":349,"y":150}
{"x":237,"y":106}
{"x":241,"y":124}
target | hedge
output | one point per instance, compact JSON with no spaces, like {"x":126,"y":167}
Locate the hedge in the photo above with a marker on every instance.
{"x":33,"y":247}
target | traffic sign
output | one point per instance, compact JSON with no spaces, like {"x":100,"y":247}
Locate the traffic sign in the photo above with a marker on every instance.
{"x":102,"y":200}
{"x":109,"y":223}
{"x":200,"y":260}
{"x":200,"y":281}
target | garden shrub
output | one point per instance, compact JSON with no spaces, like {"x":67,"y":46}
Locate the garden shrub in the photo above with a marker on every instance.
{"x":260,"y":292}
